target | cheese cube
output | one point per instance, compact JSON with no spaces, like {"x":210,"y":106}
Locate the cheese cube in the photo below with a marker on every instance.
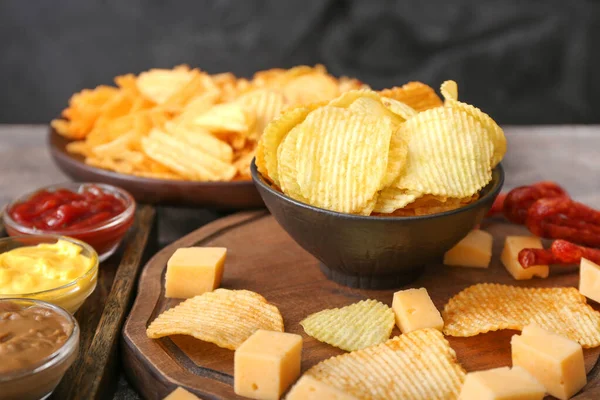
{"x":415,"y":310}
{"x":502,"y":384}
{"x":192,"y":271}
{"x":589,"y":280}
{"x":475,"y":250}
{"x":266,"y":364}
{"x":308,"y":388}
{"x":181,"y":394}
{"x":510,"y":257}
{"x":556,"y":361}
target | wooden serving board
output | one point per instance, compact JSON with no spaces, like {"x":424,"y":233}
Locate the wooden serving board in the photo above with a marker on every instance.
{"x":263,"y":258}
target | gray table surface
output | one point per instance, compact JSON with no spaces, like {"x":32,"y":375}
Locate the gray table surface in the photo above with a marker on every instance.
{"x":535,"y":153}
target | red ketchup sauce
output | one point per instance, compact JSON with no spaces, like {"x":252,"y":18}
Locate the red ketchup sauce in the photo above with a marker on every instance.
{"x":83,"y":215}
{"x":64,"y":210}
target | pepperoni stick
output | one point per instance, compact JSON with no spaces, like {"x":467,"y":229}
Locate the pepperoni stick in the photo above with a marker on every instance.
{"x":518,"y":200}
{"x":498,"y":206}
{"x":561,"y":252}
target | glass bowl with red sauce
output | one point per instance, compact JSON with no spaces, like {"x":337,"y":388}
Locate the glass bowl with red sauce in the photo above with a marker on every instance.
{"x":95,"y":213}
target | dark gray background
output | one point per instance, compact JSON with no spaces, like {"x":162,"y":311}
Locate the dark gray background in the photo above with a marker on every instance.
{"x":522,"y":61}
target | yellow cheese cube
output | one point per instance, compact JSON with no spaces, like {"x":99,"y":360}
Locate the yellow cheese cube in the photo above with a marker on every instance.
{"x":501,"y":384}
{"x":266,"y":364}
{"x":555,"y":361}
{"x":475,"y":250}
{"x":510,"y":257}
{"x":181,"y":394}
{"x":192,"y":271}
{"x":589,"y":280}
{"x":308,"y":388}
{"x":415,"y":310}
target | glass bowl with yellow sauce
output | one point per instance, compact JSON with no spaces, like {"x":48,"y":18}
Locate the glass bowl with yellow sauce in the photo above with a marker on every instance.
{"x":56,"y":269}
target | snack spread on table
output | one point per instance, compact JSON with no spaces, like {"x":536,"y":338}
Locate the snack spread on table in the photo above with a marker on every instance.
{"x":185,"y":123}
{"x":333,"y":144}
{"x":365,"y":153}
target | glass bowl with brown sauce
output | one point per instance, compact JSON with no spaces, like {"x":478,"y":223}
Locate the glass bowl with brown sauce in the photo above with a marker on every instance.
{"x":38,"y":343}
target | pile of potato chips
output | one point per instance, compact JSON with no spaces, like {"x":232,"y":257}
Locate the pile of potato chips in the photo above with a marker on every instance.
{"x":184,"y":123}
{"x":401,"y":151}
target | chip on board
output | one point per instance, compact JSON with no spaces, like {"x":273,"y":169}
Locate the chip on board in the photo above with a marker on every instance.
{"x":490,"y":307}
{"x":419,"y":365}
{"x":354,"y":327}
{"x":223,"y":317}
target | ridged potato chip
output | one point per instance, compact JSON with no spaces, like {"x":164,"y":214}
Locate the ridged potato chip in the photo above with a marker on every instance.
{"x":201,"y":139}
{"x":449,"y":90}
{"x":160,"y":84}
{"x":310,"y":88}
{"x":272,"y":137}
{"x":402,"y":110}
{"x":342,"y":158}
{"x":187,"y":161}
{"x":287,"y":172}
{"x":490,"y":307}
{"x":354,"y":327}
{"x":265,"y":104}
{"x":416,"y":95}
{"x":227,"y":117}
{"x":449,"y":153}
{"x":419,"y":365}
{"x":223,"y":317}
{"x":391,"y":199}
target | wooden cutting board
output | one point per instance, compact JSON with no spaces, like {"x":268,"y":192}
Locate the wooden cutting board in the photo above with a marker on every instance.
{"x":263,"y":258}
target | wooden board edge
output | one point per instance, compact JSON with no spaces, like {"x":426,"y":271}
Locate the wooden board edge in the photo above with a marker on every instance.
{"x":90,"y":381}
{"x":143,"y":358}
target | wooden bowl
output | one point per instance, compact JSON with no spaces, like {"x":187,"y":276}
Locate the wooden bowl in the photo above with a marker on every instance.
{"x":235,"y":195}
{"x":373,"y":252}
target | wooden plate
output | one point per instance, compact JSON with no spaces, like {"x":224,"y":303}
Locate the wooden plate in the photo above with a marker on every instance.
{"x":263,"y":258}
{"x":237,"y":195}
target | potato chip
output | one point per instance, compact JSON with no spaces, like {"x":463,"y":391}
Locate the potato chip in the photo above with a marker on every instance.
{"x":287,"y":171}
{"x":391,"y":199}
{"x":449,"y":154}
{"x":416,"y":95}
{"x":187,"y":161}
{"x":449,"y":90}
{"x":223,"y":317}
{"x":354,"y":327}
{"x":346,"y":99}
{"x":398,"y":108}
{"x":201,"y":139}
{"x":419,"y":365}
{"x":489,"y":307}
{"x":272,"y":137}
{"x":310,"y":88}
{"x":260,"y":162}
{"x":242,"y":164}
{"x":265,"y":104}
{"x":342,"y":158}
{"x":160,"y":84}
{"x":228,"y":117}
